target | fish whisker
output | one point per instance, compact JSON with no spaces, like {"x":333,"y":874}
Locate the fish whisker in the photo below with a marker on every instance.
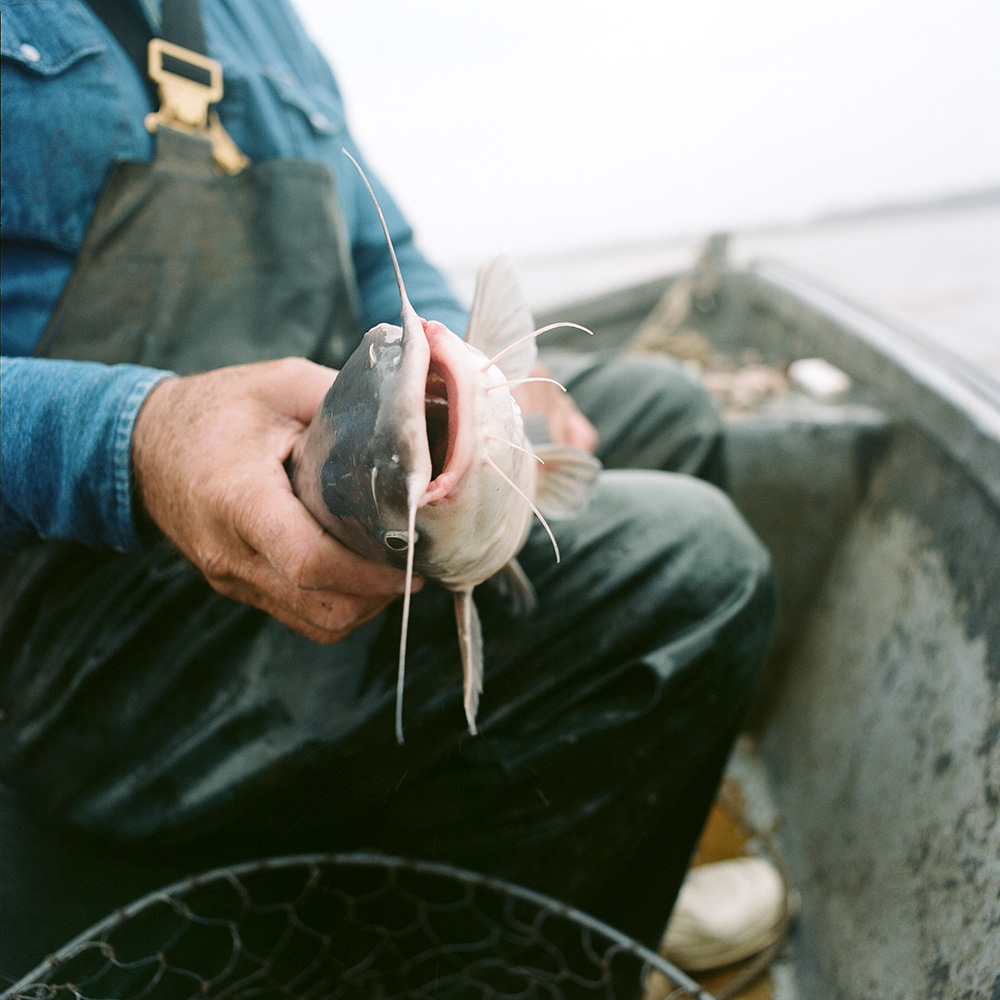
{"x":521,"y":381}
{"x":409,"y":315}
{"x":516,"y":447}
{"x":407,"y":593}
{"x":544,"y":329}
{"x":510,"y":482}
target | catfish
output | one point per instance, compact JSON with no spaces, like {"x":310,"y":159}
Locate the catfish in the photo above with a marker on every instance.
{"x":418,"y":457}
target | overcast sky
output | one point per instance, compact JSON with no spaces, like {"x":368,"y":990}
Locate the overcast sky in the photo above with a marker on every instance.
{"x":537,"y":126}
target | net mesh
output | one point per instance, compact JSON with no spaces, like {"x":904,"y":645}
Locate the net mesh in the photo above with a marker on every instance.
{"x":325,"y":927}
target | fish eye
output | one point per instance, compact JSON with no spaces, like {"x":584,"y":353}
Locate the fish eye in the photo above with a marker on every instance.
{"x":395,"y":541}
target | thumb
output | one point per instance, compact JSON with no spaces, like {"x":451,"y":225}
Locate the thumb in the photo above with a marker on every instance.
{"x":297,"y":387}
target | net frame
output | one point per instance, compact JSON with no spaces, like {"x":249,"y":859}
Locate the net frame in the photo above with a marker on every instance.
{"x":506,"y":941}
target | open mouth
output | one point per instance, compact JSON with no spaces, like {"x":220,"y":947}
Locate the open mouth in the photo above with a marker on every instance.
{"x":448,"y":411}
{"x":437,"y":412}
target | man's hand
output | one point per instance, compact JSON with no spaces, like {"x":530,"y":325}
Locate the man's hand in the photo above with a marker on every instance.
{"x":566,"y":424}
{"x":208,"y":456}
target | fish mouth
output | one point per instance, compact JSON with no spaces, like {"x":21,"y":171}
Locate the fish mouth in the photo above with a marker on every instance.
{"x":447,"y":411}
{"x":436,"y":412}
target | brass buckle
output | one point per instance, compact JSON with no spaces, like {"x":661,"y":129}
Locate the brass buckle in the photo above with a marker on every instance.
{"x":184,"y":101}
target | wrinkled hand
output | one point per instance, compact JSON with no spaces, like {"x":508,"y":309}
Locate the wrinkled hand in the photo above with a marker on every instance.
{"x":566,"y":424}
{"x":208,"y":457}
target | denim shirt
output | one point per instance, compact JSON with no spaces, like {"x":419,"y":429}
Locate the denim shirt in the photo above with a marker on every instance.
{"x":73,"y":105}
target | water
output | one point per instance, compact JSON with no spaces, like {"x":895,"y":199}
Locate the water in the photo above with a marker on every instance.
{"x":545,"y":126}
{"x":586,"y":141}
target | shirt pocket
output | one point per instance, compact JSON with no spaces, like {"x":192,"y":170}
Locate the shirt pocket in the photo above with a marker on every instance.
{"x":316,"y":116}
{"x":68,"y":115}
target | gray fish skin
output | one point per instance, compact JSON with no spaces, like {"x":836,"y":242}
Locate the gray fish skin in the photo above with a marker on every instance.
{"x":353,"y":469}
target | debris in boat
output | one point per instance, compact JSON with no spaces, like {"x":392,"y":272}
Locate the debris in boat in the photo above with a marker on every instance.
{"x":818,"y":378}
{"x":663,"y":331}
{"x":738,"y":384}
{"x":744,"y":386}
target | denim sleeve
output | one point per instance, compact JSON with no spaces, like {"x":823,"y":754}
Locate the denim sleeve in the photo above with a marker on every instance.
{"x":65,"y":450}
{"x":325,"y":135}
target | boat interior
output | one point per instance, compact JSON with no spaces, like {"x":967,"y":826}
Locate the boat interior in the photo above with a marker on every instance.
{"x":868,"y":459}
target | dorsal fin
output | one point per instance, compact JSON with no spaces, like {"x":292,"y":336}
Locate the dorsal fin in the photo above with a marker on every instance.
{"x":500,"y":316}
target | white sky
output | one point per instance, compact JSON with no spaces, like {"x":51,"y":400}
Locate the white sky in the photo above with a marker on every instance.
{"x":542,"y":126}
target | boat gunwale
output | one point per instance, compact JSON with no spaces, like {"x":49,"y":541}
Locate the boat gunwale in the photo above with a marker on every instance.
{"x":917,"y":380}
{"x":935,"y":390}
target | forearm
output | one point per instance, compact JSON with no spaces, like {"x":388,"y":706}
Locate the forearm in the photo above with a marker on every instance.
{"x":66,"y":450}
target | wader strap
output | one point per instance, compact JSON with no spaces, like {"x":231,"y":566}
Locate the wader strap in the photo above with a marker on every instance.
{"x":181,"y":25}
{"x":187,"y":79}
{"x":131,"y":30}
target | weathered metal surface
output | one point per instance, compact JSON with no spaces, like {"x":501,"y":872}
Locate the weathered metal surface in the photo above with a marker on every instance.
{"x":954,"y":404}
{"x":884,"y":746}
{"x":879,"y":718}
{"x":801,"y":518}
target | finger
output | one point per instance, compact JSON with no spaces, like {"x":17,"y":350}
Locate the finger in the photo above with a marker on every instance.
{"x":581,"y":433}
{"x":295,"y":545}
{"x":321,"y":616}
{"x":310,"y":559}
{"x":299,"y":387}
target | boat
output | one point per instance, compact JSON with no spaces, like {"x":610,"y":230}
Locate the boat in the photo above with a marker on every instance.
{"x":867,"y":458}
{"x":875,"y":735}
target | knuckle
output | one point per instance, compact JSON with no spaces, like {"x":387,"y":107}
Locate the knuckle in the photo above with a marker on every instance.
{"x":285,"y":370}
{"x":301,"y":566}
{"x":214,"y":563}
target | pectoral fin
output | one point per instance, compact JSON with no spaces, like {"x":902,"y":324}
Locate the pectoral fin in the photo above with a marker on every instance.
{"x":565,"y":480}
{"x":470,"y":641}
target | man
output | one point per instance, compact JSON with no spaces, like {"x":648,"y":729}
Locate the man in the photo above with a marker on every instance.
{"x":170,"y":701}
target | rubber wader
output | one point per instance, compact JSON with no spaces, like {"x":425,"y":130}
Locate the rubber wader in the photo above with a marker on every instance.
{"x":154,"y":728}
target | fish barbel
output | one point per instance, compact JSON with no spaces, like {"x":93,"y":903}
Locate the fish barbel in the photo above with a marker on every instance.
{"x":418,"y":457}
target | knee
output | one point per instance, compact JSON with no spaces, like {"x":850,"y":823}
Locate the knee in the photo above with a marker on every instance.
{"x":667,"y":386}
{"x":712,"y":582}
{"x":693,"y":439}
{"x":711,"y":563}
{"x":667,"y":420}
{"x":681,"y":391}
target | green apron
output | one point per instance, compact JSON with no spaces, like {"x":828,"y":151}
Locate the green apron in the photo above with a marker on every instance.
{"x":189,"y":269}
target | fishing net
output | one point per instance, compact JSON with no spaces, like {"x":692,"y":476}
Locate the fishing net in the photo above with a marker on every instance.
{"x":324,"y":927}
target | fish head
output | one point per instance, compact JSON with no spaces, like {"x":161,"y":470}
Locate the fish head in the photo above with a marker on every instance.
{"x":404,"y":431}
{"x":366,"y":453}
